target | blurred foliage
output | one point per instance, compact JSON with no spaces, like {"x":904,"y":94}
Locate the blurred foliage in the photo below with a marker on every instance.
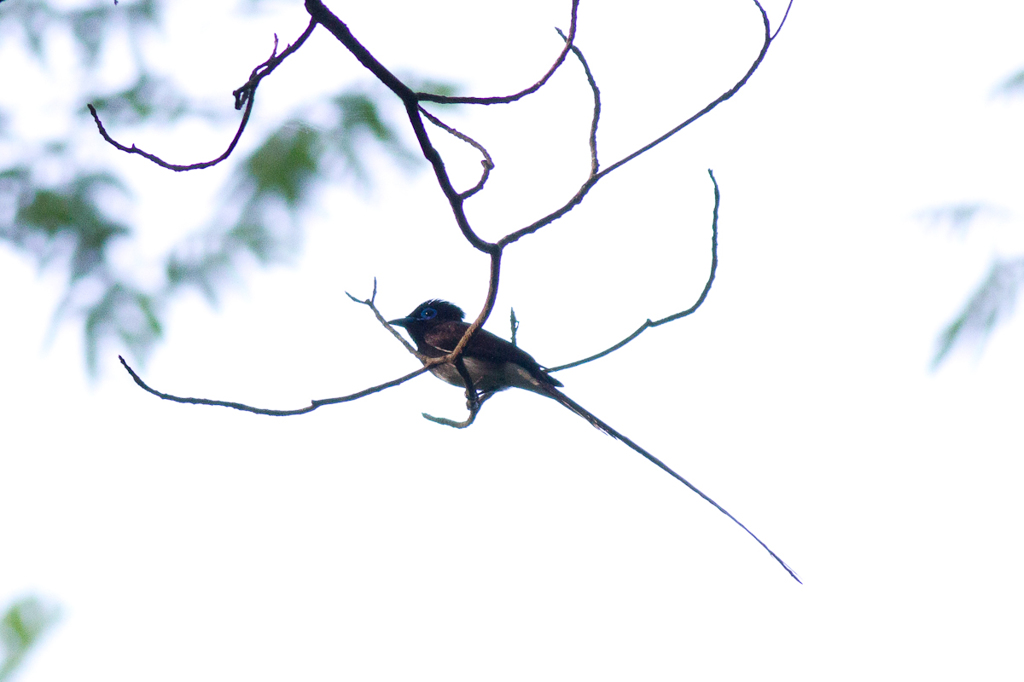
{"x":960,"y":216}
{"x":71,"y":224}
{"x":1014,"y":85}
{"x":90,"y":26}
{"x":994,"y":299}
{"x":991,"y":303}
{"x":149,"y":98}
{"x":22,"y":625}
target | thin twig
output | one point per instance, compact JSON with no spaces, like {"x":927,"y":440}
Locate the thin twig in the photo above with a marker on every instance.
{"x":506,"y":99}
{"x":689,"y":311}
{"x":721,"y":98}
{"x":443,"y":421}
{"x":371,"y":304}
{"x":784,"y":17}
{"x":487,"y":162}
{"x":473,"y":400}
{"x":594,"y":165}
{"x":314,"y":404}
{"x":593,"y":179}
{"x":320,"y":13}
{"x":244,"y":95}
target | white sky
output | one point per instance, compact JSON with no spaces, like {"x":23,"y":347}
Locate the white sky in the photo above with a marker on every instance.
{"x":362,"y":542}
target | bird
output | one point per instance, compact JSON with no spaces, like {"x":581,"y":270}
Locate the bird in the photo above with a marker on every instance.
{"x":493,"y":364}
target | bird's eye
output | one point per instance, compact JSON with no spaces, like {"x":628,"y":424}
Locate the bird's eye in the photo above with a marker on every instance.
{"x":428,"y":314}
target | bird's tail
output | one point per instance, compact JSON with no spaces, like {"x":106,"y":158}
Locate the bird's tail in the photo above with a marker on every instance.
{"x":578,"y":409}
{"x":575,"y":407}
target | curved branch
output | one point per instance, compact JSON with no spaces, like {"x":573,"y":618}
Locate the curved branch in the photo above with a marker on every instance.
{"x":768,"y":38}
{"x":244,"y":95}
{"x":784,"y":17}
{"x":314,"y":404}
{"x":596,"y":176}
{"x":665,"y":320}
{"x":444,"y":421}
{"x":594,"y":165}
{"x":446,"y":99}
{"x":487,"y":162}
{"x":321,"y":14}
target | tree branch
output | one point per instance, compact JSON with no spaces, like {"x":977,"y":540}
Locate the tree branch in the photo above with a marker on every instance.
{"x":594,"y":165}
{"x":314,"y":404}
{"x":665,"y":320}
{"x":320,"y":13}
{"x":596,"y":176}
{"x":244,"y":96}
{"x":447,"y":99}
{"x":487,"y":162}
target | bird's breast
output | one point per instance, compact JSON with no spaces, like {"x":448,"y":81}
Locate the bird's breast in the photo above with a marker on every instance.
{"x":489,"y":376}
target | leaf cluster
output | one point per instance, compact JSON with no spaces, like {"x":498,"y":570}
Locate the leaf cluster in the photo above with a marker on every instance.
{"x":22,"y":625}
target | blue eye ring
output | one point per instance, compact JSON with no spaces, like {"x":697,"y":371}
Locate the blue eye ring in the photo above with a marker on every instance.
{"x":428,"y":314}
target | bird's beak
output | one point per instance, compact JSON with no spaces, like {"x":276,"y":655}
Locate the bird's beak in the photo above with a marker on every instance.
{"x":401,"y":322}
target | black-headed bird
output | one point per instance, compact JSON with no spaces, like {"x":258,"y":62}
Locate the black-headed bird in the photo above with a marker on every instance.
{"x":494,"y":364}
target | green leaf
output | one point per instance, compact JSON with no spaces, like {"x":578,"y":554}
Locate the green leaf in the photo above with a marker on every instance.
{"x":21,"y":627}
{"x":256,"y":239}
{"x":126,"y":313}
{"x":1014,"y":85}
{"x":359,"y":119}
{"x":990,"y":304}
{"x":51,"y":221}
{"x":284,"y":165}
{"x":147,"y":97}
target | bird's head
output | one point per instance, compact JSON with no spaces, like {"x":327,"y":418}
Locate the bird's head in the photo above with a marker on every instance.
{"x":430,"y":313}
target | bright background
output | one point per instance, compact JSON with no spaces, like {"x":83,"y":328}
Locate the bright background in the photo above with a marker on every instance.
{"x":363,"y":542}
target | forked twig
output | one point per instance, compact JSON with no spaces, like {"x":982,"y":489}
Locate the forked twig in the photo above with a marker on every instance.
{"x":595,"y":177}
{"x":689,"y":311}
{"x":244,"y":96}
{"x":487,"y":162}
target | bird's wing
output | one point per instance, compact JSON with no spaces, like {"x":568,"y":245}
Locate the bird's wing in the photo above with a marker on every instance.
{"x":486,"y":346}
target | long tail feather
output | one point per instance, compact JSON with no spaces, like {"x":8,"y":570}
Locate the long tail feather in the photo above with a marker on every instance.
{"x":603,"y":427}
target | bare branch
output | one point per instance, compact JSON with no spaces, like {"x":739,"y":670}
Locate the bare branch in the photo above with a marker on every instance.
{"x":595,"y":177}
{"x":473,"y":412}
{"x":665,"y":320}
{"x":487,"y":162}
{"x":445,"y":99}
{"x":784,"y":17}
{"x":721,"y":98}
{"x":474,"y":401}
{"x":314,"y":404}
{"x":370,"y":303}
{"x":244,"y":96}
{"x":594,"y":165}
{"x":321,"y":14}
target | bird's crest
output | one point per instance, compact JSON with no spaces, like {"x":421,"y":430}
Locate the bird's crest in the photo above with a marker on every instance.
{"x":444,"y":310}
